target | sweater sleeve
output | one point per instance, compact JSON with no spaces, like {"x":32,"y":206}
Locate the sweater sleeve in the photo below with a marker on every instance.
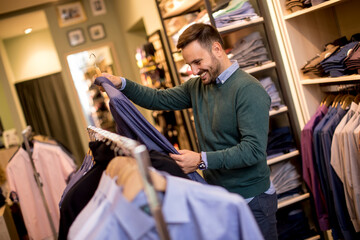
{"x":252,"y":120}
{"x":175,"y":98}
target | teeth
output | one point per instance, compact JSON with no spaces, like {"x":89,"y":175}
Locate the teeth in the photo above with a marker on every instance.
{"x":203,"y":74}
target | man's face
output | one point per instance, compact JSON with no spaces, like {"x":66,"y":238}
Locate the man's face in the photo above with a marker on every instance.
{"x":202,"y":62}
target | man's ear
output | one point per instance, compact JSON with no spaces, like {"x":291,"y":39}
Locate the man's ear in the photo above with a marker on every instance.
{"x":217,"y":49}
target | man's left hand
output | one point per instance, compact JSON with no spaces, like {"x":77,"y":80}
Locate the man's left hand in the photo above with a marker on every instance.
{"x":187,"y":160}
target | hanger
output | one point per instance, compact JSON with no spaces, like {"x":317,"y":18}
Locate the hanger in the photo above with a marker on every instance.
{"x":337,"y":99}
{"x":128,"y":176}
{"x":357,"y":98}
{"x":328,"y":100}
{"x":347,"y":101}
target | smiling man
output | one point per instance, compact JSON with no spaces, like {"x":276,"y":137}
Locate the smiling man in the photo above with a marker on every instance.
{"x":231,"y":112}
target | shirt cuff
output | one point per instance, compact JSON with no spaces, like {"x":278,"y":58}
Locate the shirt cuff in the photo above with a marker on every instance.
{"x":123,"y":84}
{"x":204,"y":158}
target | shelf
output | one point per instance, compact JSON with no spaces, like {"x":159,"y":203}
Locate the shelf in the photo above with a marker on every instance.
{"x":187,"y":7}
{"x":260,"y":68}
{"x":243,"y":24}
{"x":280,"y":110}
{"x":314,"y":8}
{"x":290,"y":201}
{"x":355,"y":77}
{"x":282,"y":157}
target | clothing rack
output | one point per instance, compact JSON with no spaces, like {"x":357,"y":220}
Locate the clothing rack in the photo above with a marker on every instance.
{"x":26,"y":133}
{"x":126,"y":146}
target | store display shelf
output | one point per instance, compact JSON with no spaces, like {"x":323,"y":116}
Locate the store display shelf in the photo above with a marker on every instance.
{"x":186,"y":7}
{"x":278,"y":111}
{"x":282,"y":157}
{"x":244,"y":24}
{"x":264,"y":66}
{"x":314,"y":8}
{"x":290,"y":201}
{"x":355,"y":77}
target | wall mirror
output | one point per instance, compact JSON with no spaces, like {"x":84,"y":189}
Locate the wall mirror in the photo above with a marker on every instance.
{"x":95,"y":104}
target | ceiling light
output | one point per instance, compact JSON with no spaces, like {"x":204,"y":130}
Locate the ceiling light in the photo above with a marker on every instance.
{"x":28,"y":30}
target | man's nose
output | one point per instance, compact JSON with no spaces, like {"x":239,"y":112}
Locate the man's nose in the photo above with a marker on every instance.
{"x":195,"y":70}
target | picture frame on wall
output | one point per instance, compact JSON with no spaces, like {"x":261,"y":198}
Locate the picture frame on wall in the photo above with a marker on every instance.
{"x":98,"y":7}
{"x":76,"y":37}
{"x":97,"y":32}
{"x":70,"y":13}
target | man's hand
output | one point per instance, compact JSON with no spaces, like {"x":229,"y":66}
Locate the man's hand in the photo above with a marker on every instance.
{"x":114,"y":79}
{"x":187,"y":160}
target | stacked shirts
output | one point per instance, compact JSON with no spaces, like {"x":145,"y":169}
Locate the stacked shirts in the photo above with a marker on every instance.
{"x":270,"y":88}
{"x":53,"y":166}
{"x":249,"y":51}
{"x":294,"y":5}
{"x":334,"y":65}
{"x":191,"y":211}
{"x":285,"y":177}
{"x":352,"y":61}
{"x":313,"y":68}
{"x":237,"y":11}
{"x":280,"y":141}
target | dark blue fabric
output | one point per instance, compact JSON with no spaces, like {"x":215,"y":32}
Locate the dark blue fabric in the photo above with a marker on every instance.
{"x":336,"y":185}
{"x":132,"y":124}
{"x":280,"y":140}
{"x":320,"y":168}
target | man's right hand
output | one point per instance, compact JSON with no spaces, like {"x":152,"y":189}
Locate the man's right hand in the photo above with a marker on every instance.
{"x":114,"y":79}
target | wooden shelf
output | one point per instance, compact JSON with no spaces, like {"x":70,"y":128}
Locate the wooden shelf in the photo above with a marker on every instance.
{"x":283,"y":157}
{"x":280,"y":110}
{"x":244,"y":24}
{"x":314,"y":8}
{"x":190,"y":6}
{"x":348,"y":78}
{"x":290,"y":201}
{"x":260,"y":68}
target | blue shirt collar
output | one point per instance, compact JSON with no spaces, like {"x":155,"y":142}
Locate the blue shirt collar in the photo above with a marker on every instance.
{"x":227,"y":73}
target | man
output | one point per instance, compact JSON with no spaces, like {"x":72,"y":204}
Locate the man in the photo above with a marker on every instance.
{"x":231,"y":112}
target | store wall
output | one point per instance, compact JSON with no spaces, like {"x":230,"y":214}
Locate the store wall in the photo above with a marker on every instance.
{"x":32,"y":55}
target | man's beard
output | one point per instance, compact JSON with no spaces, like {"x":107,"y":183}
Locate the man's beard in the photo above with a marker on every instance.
{"x":214,"y":70}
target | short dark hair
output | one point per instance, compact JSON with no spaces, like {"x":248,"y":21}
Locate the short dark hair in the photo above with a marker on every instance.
{"x":204,"y":33}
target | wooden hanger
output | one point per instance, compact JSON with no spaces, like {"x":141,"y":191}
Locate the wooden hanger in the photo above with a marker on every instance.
{"x":357,"y":98}
{"x":337,"y":100}
{"x":347,"y":101}
{"x":128,"y":176}
{"x":328,"y":100}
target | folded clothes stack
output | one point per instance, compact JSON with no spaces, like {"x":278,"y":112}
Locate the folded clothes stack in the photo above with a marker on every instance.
{"x":352,"y":61}
{"x":270,"y":88}
{"x":295,"y":5}
{"x":235,"y":12}
{"x":285,"y":177}
{"x":280,"y":141}
{"x":249,"y":51}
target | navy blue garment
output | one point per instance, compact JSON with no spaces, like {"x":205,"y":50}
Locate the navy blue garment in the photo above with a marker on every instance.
{"x":132,"y":124}
{"x":336,"y":185}
{"x":319,"y":165}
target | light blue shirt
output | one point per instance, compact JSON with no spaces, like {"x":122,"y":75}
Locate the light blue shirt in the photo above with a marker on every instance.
{"x":191,"y":211}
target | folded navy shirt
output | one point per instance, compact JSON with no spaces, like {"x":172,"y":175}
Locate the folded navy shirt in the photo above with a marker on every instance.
{"x":132,"y":124}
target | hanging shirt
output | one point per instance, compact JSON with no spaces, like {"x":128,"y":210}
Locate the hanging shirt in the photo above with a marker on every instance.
{"x":309,"y":173}
{"x":54,"y":166}
{"x":191,"y":211}
{"x":132,"y":124}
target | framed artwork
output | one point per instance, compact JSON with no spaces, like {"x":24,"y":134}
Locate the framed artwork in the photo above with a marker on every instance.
{"x":97,"y":7}
{"x":76,"y":37}
{"x":97,"y":31}
{"x":70,"y":13}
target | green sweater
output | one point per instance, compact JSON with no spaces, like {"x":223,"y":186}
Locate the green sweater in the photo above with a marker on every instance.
{"x":231,"y":120}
